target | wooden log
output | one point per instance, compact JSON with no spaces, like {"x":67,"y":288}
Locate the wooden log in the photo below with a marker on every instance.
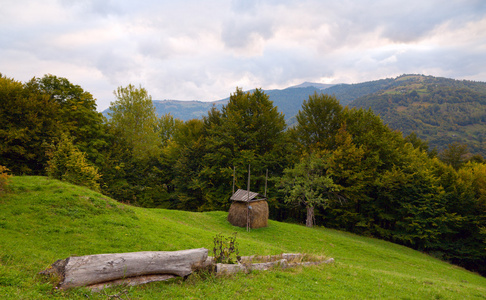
{"x":282,"y":263}
{"x":230,"y":268}
{"x":130,"y":281}
{"x":103,"y":268}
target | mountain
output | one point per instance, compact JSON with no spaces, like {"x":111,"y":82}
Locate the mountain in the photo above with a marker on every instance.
{"x":288,"y":101}
{"x":186,"y":110}
{"x":321,"y":86}
{"x":439,"y":110}
{"x":347,"y":93}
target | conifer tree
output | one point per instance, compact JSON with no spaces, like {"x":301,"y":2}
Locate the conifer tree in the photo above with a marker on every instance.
{"x":69,"y":164}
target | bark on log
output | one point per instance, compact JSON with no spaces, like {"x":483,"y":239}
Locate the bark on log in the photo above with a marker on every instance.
{"x":104,"y":268}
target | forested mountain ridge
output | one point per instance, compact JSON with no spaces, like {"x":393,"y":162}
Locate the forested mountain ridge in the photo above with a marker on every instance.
{"x":439,"y":110}
{"x":288,"y":101}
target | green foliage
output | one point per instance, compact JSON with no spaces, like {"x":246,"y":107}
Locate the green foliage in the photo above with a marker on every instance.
{"x":247,"y":131}
{"x":67,"y":163}
{"x":4,"y":176}
{"x":420,"y":144}
{"x":76,"y":113}
{"x":167,"y":128}
{"x":394,"y":189}
{"x":225,"y":249}
{"x":132,"y":169}
{"x":318,"y":122}
{"x":454,"y":155}
{"x":439,"y":110}
{"x":134,"y":123}
{"x":27,"y":120}
{"x":466,"y":244}
{"x":306,"y":183}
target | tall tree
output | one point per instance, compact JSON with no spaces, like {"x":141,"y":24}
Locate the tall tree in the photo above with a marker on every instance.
{"x":307,"y":183}
{"x":167,"y":127}
{"x":77,"y":114}
{"x":318,"y":122}
{"x":353,"y":171}
{"x":467,"y":199}
{"x":28,"y":120}
{"x":249,"y":130}
{"x":454,"y":155}
{"x":132,"y":167}
{"x":134,"y":122}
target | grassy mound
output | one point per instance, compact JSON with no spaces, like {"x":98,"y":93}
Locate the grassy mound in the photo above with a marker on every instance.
{"x":42,"y":220}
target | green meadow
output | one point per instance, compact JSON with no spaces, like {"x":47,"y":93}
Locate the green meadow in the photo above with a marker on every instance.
{"x":43,"y":220}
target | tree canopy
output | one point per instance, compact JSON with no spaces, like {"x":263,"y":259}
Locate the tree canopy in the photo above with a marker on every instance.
{"x":339,"y":167}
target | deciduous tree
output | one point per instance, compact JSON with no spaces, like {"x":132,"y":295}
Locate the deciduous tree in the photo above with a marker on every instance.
{"x":134,"y":122}
{"x":27,"y":121}
{"x":318,"y":122}
{"x":76,"y":113}
{"x":307,"y":183}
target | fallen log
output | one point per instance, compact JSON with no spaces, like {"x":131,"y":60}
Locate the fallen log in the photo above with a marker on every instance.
{"x":119,"y":268}
{"x":246,"y":265}
{"x":132,"y":281}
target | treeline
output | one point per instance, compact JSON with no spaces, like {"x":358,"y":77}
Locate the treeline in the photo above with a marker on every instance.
{"x":337,"y":167}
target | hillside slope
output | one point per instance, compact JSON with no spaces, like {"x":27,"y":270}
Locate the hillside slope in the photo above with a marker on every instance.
{"x":288,"y":102}
{"x":42,"y":220}
{"x":439,"y":110}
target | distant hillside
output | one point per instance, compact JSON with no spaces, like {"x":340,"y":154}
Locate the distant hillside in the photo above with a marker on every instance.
{"x":321,"y":86}
{"x":185,"y":110}
{"x":439,"y":110}
{"x":288,"y":101}
{"x":346,"y":93}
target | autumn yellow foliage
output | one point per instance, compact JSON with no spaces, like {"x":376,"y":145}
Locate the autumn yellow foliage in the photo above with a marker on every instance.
{"x":4,"y":176}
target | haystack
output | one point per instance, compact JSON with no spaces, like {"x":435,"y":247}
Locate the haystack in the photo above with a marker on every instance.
{"x":248,"y":205}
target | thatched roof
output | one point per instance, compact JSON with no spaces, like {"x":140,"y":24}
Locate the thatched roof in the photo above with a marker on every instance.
{"x":245,"y":196}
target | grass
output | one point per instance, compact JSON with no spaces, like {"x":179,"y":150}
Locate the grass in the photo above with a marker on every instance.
{"x":43,"y":220}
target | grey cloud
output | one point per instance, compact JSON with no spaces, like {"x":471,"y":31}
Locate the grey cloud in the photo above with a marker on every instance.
{"x":192,"y":50}
{"x":239,"y":32}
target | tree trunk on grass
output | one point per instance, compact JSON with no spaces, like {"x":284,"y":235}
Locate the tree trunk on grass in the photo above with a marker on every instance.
{"x":309,"y":222}
{"x":116,"y":268}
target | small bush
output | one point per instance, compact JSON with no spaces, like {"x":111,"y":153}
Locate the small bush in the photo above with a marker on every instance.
{"x":225,"y":249}
{"x":4,"y":176}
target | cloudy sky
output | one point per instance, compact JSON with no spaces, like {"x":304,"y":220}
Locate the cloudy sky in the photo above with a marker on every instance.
{"x":203,"y":50}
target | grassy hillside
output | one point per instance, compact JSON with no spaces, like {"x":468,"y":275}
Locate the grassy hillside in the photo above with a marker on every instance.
{"x":42,"y":220}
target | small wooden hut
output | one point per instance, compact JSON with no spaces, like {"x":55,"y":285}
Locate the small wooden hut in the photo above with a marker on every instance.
{"x":249,"y":209}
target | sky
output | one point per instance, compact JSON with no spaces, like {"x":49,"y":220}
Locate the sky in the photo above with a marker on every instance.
{"x":203,"y":50}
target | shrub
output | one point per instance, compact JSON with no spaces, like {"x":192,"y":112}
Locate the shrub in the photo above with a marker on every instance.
{"x":67,"y":163}
{"x":4,"y":179}
{"x":225,"y":249}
